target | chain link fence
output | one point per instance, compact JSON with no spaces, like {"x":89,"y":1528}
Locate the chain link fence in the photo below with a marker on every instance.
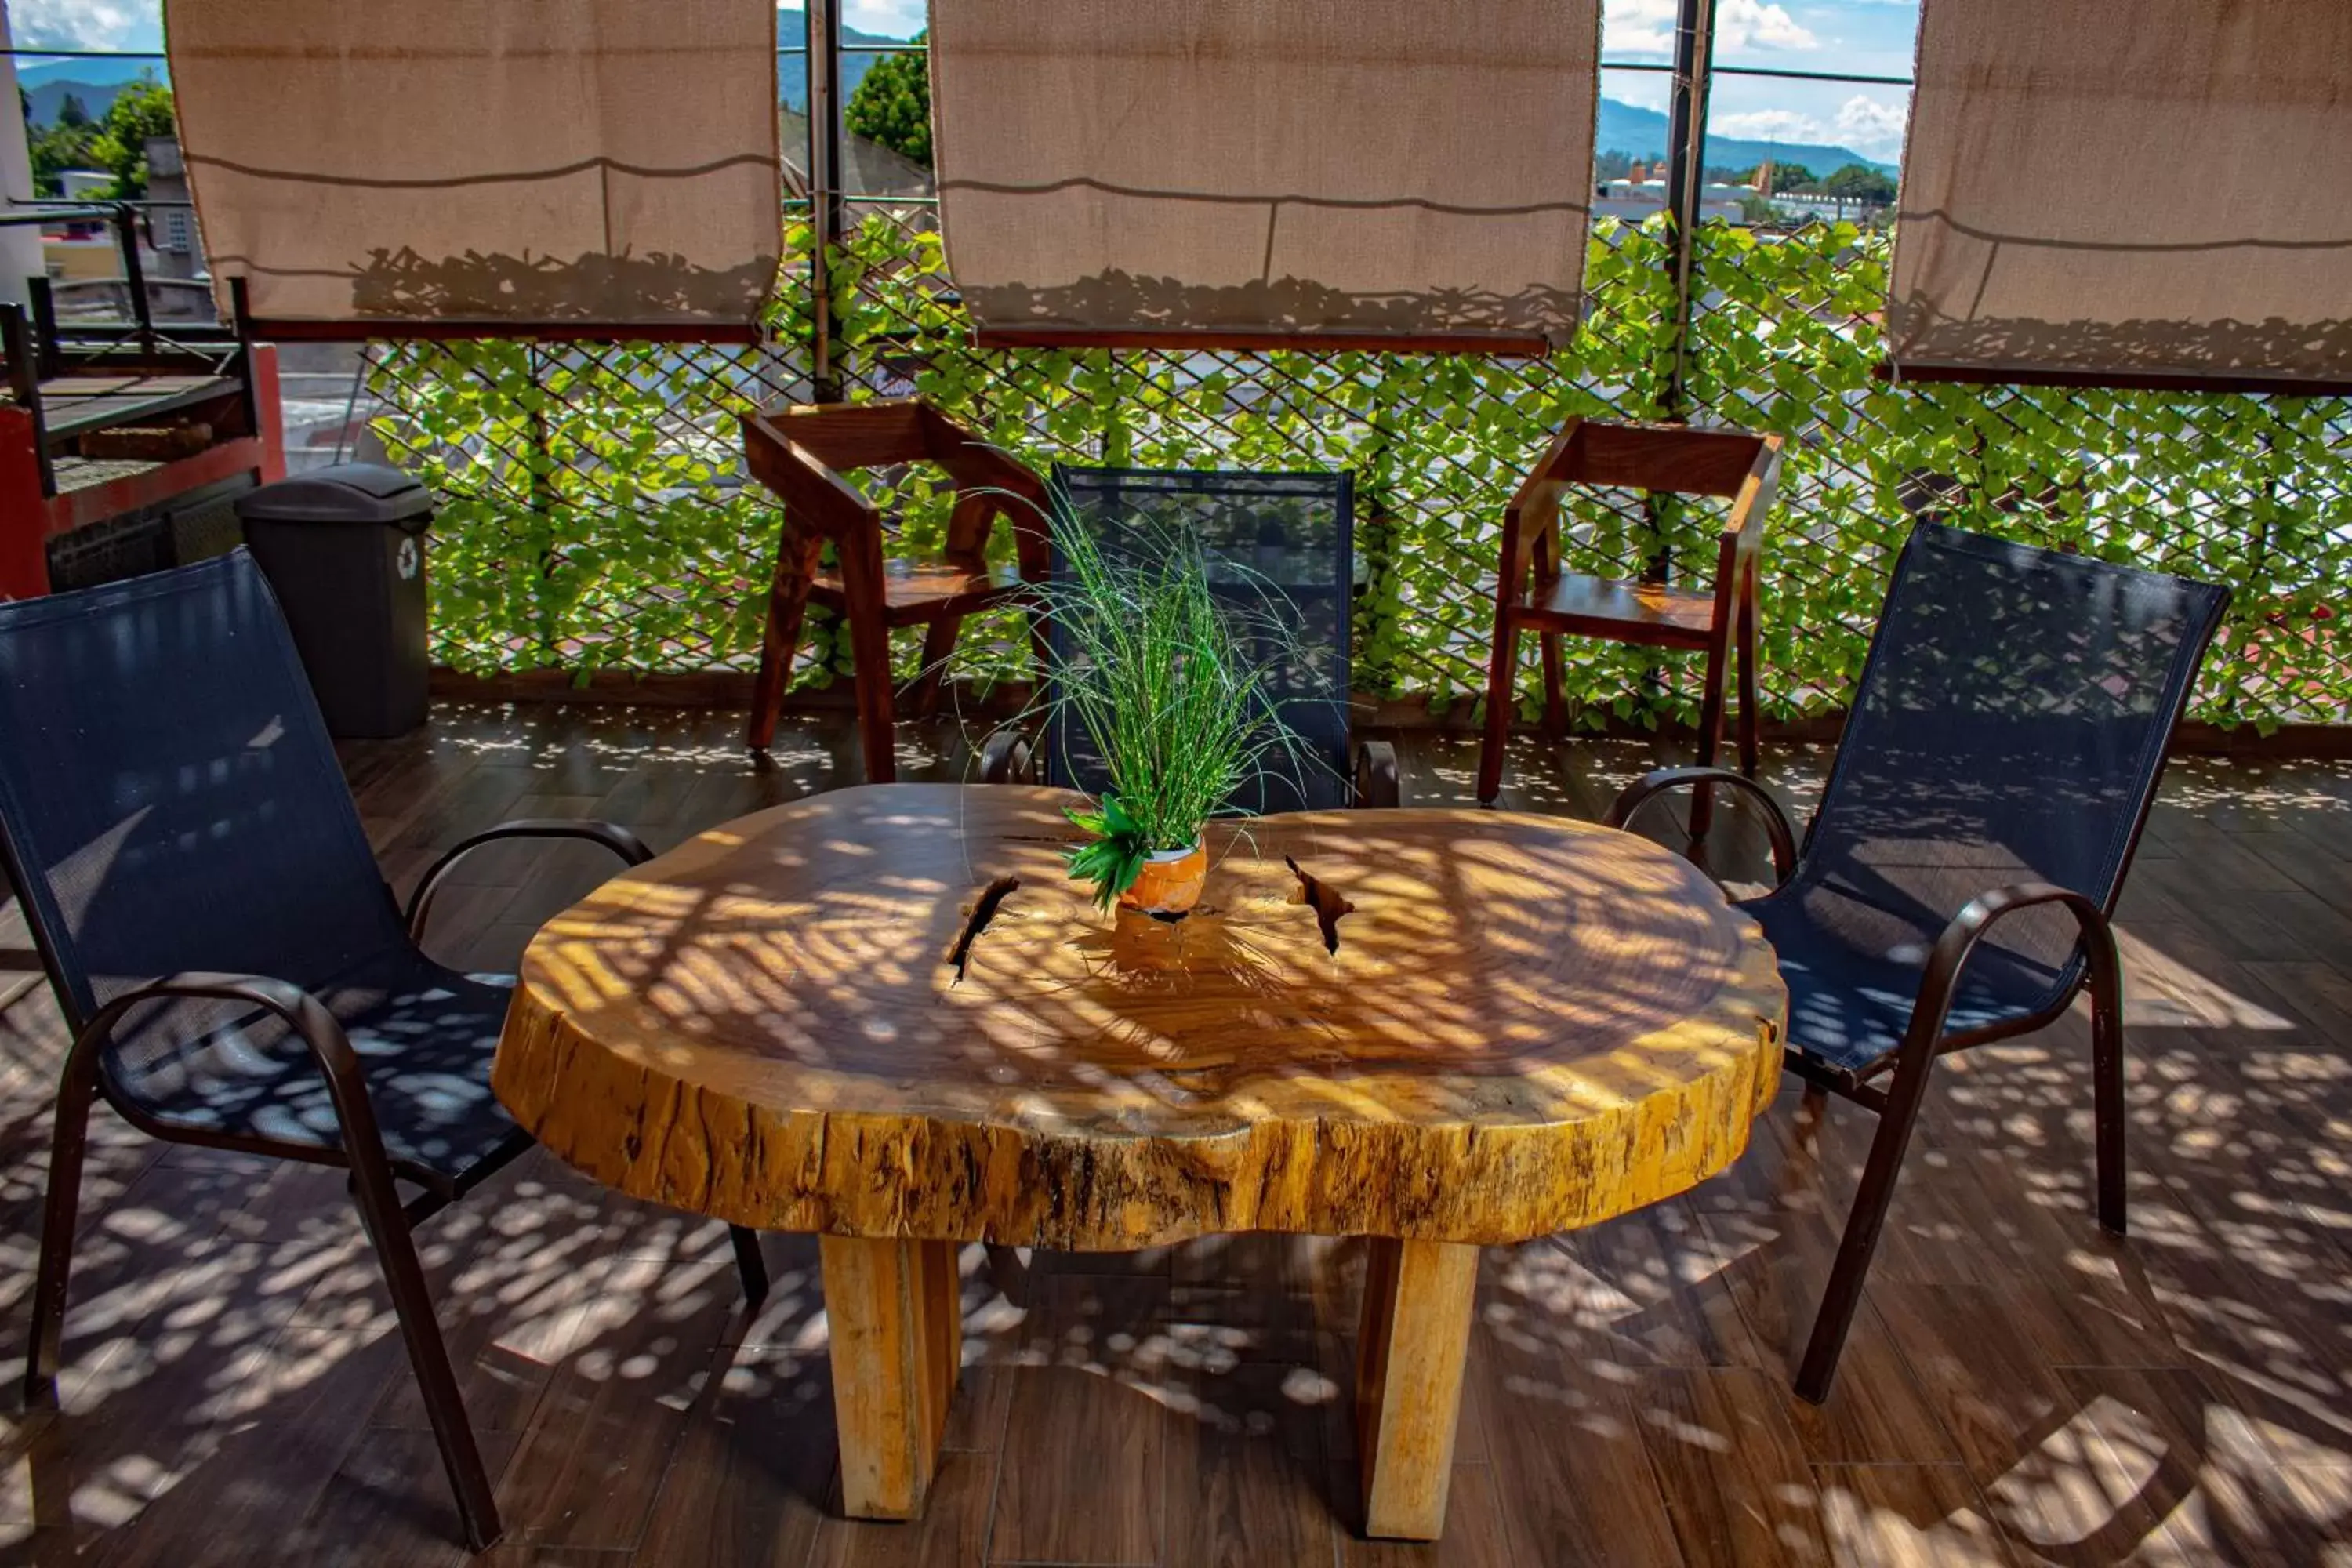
{"x":596,"y":513}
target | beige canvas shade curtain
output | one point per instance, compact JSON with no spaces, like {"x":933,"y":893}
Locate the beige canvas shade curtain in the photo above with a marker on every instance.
{"x":2157,"y":193}
{"x":588,"y":163}
{"x":1316,"y":172}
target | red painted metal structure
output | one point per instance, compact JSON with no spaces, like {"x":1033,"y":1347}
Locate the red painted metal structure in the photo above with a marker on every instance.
{"x":30,"y":519}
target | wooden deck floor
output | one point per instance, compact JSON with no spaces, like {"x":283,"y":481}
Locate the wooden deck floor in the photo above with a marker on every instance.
{"x":2017,"y":1390}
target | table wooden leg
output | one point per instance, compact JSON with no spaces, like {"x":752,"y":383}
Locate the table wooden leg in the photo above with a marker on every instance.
{"x":1415,"y":1339}
{"x":892,"y":1308}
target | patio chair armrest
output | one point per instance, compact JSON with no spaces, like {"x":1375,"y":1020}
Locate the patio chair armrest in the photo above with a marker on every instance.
{"x":301,"y":1012}
{"x":618,"y":840}
{"x":1376,"y":775}
{"x":1940,"y":981}
{"x":1650,"y":785}
{"x":1005,"y":757}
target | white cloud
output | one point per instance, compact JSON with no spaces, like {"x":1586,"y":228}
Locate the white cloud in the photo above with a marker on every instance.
{"x":1871,"y":126}
{"x":1767,"y":125}
{"x":86,"y":24}
{"x":891,"y":18}
{"x":1647,"y":26}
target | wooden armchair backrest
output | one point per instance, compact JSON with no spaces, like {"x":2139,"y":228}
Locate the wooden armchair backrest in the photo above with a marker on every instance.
{"x":801,"y":451}
{"x":1670,"y":459}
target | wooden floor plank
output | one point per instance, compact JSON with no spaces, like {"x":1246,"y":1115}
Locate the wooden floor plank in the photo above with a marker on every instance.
{"x":599,"y":1446}
{"x":1736,"y":1485}
{"x":2019,"y":1388}
{"x":1247,"y":1473}
{"x":750,"y":1479}
{"x":1908,"y":1516}
{"x":1083,"y":1476}
{"x":1568,"y":1449}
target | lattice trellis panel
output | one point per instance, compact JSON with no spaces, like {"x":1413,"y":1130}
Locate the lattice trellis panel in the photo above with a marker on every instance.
{"x":596,"y":514}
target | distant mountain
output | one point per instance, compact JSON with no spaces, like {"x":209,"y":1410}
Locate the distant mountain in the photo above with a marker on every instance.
{"x":1624,"y":127}
{"x":792,"y":70}
{"x":95,"y":83}
{"x":1641,"y":133}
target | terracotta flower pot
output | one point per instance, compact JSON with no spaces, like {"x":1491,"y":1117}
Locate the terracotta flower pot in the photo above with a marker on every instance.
{"x":1169,"y":882}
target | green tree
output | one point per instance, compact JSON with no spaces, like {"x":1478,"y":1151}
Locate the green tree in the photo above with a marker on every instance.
{"x":70,"y":111}
{"x":140,"y":111}
{"x":1785,"y":176}
{"x":892,"y":105}
{"x":53,"y":149}
{"x":1860,"y":182}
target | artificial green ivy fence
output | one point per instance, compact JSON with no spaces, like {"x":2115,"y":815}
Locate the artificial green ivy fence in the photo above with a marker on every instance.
{"x":596,"y":513}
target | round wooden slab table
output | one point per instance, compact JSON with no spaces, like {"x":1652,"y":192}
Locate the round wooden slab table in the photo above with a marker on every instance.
{"x":887,"y":1015}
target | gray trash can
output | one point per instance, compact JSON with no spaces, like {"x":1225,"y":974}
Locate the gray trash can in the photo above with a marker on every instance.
{"x":344,"y":548}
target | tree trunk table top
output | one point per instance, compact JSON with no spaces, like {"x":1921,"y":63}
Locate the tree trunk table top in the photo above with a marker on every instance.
{"x":888,"y":1012}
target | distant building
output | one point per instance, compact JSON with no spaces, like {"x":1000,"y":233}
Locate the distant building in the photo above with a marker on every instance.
{"x":170,"y":221}
{"x":1634,"y":198}
{"x":1833,"y":209}
{"x":79,"y":249}
{"x":869,"y":169}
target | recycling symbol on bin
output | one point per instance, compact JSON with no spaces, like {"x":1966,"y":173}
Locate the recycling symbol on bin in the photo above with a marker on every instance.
{"x":407,"y":561}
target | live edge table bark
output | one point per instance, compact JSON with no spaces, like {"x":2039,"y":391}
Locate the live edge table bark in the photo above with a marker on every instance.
{"x":886,"y":1016}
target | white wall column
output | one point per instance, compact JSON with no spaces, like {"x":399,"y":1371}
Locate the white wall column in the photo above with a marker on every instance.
{"x":20,"y":243}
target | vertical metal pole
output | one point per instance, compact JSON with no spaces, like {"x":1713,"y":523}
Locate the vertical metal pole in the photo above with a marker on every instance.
{"x":43,"y":304}
{"x":240,"y":310}
{"x":543,"y":498}
{"x":1687,"y":180}
{"x":825,"y":186}
{"x":134,"y":275}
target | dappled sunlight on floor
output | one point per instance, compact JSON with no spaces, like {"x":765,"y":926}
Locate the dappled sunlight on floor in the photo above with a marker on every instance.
{"x":2019,"y":1387}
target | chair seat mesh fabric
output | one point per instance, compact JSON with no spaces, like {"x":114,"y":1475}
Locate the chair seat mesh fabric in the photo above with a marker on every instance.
{"x":171,"y":802}
{"x":2009,"y":727}
{"x":1849,"y":1007}
{"x":425,"y":1036}
{"x":1279,"y":549}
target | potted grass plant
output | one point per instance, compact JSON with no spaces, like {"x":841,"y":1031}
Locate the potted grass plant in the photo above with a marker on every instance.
{"x":1149,"y":666}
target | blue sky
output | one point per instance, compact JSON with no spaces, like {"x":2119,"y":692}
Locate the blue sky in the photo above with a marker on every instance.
{"x":1872,"y":37}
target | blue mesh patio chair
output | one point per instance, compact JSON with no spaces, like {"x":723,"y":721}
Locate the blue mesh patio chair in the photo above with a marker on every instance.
{"x":1956,"y":885}
{"x":1280,"y":548}
{"x":235,"y":970}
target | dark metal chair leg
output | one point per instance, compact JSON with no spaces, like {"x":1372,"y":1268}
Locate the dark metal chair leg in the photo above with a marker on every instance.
{"x":2107,"y":1089}
{"x":1008,"y":1268}
{"x":412,"y":1302}
{"x":1710,"y":735}
{"x":1843,"y":1297}
{"x":70,"y":1135}
{"x":750,"y":1263}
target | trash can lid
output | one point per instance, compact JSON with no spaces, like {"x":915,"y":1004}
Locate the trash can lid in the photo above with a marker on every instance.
{"x":344,"y":492}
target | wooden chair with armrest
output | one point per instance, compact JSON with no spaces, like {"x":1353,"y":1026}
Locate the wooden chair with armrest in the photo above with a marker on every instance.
{"x":800,"y":452}
{"x":1532,"y":593}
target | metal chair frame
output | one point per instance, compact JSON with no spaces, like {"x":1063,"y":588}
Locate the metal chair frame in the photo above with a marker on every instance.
{"x":1908,"y":1066}
{"x":1010,"y":753}
{"x":374,"y":1175}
